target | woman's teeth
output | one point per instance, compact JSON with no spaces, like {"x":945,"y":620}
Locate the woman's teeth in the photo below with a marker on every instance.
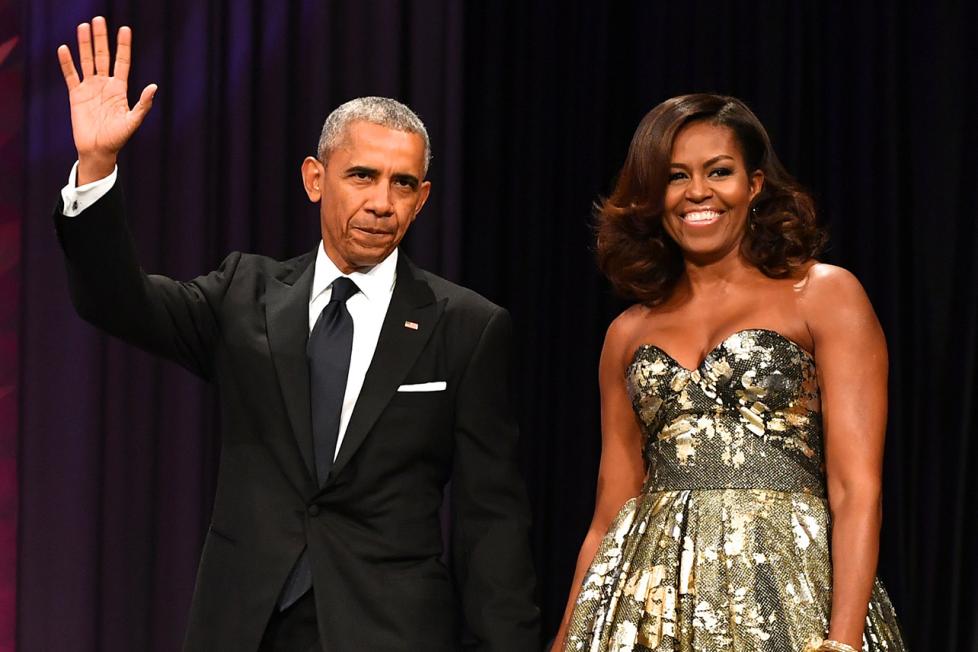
{"x":701,"y":217}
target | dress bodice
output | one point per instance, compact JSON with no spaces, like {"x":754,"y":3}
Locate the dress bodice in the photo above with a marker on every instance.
{"x":748,"y":417}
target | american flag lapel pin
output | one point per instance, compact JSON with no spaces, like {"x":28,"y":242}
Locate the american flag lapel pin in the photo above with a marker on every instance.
{"x":413,"y":325}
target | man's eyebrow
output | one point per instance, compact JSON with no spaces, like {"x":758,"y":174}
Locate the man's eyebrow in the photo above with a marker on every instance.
{"x":408,"y":179}
{"x":362,"y":169}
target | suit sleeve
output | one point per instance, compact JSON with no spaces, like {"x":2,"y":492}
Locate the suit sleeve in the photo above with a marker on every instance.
{"x":491,"y":520}
{"x":176,"y":320}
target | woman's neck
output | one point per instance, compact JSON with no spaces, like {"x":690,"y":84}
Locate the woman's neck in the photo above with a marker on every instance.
{"x":712,"y":276}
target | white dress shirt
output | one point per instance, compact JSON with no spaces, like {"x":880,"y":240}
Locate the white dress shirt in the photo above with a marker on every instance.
{"x":78,"y":199}
{"x":367,"y":308}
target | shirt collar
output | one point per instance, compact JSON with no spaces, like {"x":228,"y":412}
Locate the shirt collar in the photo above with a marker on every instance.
{"x":372,"y":282}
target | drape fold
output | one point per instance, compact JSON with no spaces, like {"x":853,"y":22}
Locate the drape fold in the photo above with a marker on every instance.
{"x":530,"y":107}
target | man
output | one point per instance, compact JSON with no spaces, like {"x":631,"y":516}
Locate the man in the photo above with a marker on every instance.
{"x":353,"y":386}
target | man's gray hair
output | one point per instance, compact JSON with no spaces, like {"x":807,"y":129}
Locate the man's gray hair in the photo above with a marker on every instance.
{"x":381,"y":111}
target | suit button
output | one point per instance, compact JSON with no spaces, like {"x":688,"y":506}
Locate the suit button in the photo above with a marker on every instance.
{"x":313,"y":510}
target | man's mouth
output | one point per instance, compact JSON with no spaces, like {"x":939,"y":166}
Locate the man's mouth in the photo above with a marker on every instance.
{"x":701,"y":217}
{"x":373,"y":232}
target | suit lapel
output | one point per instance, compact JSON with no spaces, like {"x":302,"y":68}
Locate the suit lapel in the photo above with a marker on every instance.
{"x":287,"y":323}
{"x":397,"y":349}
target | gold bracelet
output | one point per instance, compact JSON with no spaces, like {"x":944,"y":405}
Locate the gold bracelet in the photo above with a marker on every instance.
{"x":835,"y":646}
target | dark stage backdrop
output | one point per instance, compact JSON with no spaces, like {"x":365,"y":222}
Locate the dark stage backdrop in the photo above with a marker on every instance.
{"x":530,"y":106}
{"x":11,"y":181}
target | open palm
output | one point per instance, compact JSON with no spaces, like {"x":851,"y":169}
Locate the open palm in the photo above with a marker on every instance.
{"x":101,"y":120}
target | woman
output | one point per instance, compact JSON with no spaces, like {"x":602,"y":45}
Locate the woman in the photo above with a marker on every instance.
{"x":743,"y":408}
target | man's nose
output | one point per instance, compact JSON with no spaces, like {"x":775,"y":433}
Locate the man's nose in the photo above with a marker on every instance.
{"x":380,"y":203}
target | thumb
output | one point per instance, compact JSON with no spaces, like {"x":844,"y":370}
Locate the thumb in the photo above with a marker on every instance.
{"x":142,"y":107}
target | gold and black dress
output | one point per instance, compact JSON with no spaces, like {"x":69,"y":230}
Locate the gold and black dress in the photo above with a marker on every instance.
{"x":727,"y":547}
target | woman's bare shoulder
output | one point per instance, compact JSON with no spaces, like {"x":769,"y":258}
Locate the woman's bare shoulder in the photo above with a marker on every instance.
{"x":625,"y":331}
{"x":832,"y":296}
{"x":824,"y":284}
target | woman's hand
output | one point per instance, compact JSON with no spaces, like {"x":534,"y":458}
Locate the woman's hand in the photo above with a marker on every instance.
{"x":622,"y":469}
{"x":851,"y":358}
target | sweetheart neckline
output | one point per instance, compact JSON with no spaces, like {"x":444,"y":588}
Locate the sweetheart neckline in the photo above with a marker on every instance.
{"x":719,"y":344}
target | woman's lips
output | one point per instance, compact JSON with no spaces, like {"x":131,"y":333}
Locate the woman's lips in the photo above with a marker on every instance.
{"x":701,"y":217}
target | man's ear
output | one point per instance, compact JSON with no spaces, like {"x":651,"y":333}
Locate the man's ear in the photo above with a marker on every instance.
{"x":313,"y":178}
{"x":423,"y":193}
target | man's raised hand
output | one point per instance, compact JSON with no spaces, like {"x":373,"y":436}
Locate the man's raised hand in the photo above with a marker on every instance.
{"x":101,"y":120}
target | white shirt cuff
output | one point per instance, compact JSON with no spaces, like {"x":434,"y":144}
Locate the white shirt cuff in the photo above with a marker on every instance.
{"x":78,"y":199}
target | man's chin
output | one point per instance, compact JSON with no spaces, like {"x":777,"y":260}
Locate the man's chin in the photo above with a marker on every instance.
{"x":370,"y":256}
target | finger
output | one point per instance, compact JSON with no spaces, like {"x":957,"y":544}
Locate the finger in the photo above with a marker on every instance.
{"x":67,"y":67}
{"x":123,"y":54}
{"x":142,"y":107}
{"x":85,"y":49}
{"x":101,"y":34}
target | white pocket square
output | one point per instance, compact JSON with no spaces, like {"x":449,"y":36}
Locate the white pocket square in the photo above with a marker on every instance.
{"x":437,"y":386}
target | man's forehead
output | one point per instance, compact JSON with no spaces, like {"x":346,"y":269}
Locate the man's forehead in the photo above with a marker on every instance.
{"x":365,"y":141}
{"x":368,"y":134}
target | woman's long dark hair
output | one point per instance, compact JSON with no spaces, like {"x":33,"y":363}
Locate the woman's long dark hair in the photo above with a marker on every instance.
{"x":633,"y":249}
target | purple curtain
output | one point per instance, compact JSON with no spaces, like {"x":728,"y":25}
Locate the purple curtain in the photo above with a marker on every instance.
{"x":531,"y":106}
{"x":11,"y":182}
{"x":119,"y":448}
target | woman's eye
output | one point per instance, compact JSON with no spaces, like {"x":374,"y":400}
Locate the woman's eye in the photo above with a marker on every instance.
{"x":721,"y":172}
{"x":676,"y":176}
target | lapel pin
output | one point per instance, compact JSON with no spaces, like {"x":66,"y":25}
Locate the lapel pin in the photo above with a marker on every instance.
{"x":413,"y":325}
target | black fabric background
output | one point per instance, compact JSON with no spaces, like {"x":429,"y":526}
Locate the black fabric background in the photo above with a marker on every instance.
{"x":872,"y":105}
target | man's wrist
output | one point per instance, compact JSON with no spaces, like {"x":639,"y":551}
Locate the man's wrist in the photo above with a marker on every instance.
{"x":76,"y":197}
{"x":94,"y":168}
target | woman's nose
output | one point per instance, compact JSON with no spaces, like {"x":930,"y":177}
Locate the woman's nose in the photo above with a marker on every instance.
{"x":698,"y":189}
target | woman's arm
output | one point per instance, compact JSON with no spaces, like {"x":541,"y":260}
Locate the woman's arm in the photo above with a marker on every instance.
{"x":850,"y":354}
{"x":622,"y":471}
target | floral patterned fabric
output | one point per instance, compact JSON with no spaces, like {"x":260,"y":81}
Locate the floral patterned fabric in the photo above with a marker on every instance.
{"x":727,"y":547}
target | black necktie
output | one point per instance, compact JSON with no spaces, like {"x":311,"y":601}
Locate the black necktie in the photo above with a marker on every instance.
{"x":329,"y":348}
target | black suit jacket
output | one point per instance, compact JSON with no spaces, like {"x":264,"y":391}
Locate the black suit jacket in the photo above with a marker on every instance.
{"x":373,"y":531}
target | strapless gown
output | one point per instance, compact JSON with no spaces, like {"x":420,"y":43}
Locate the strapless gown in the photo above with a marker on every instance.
{"x":726,"y":549}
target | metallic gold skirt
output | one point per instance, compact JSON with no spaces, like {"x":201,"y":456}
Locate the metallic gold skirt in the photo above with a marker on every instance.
{"x":717,"y":570}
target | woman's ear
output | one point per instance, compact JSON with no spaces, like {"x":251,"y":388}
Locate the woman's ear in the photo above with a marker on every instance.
{"x":756,"y":183}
